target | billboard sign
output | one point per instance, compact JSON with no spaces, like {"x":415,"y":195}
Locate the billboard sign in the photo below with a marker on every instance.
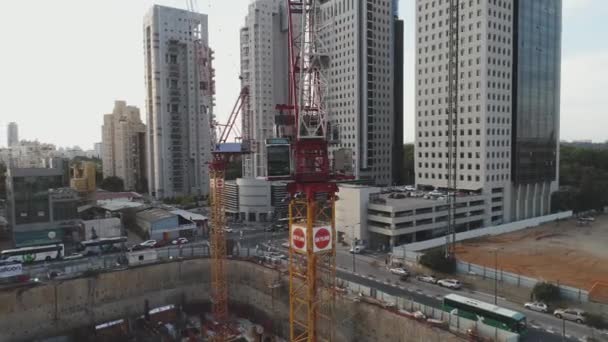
{"x":10,"y":270}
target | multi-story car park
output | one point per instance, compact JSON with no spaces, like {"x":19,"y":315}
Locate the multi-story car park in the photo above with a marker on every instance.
{"x":388,"y":218}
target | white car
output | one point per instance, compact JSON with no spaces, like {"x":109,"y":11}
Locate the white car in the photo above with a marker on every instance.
{"x":148,"y":243}
{"x":398,"y":271}
{"x":436,"y":193}
{"x":228,"y":230}
{"x":410,"y":188}
{"x":427,"y":279}
{"x":179,"y":241}
{"x":450,"y":283}
{"x":536,"y":306}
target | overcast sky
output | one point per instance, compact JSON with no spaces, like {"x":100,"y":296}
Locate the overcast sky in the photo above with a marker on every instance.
{"x":64,"y":62}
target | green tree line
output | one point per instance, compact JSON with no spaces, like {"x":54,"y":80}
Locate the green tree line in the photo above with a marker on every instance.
{"x":583,"y":179}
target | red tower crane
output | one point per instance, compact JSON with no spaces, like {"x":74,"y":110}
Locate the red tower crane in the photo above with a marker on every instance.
{"x":222,"y":155}
{"x":312,"y":192}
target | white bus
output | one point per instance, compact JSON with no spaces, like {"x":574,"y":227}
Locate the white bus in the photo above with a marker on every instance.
{"x":492,"y":315}
{"x":102,"y":245}
{"x":34,"y":253}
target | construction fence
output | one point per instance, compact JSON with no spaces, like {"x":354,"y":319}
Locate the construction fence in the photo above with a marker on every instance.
{"x":567,"y":292}
{"x":403,"y":305}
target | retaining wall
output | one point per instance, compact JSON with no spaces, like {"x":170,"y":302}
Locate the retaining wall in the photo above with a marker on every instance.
{"x":61,"y":306}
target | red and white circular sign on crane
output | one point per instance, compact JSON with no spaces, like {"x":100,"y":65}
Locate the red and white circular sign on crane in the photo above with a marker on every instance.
{"x":322,"y":239}
{"x":298,"y":239}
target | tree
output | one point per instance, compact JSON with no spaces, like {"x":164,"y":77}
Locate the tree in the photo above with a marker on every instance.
{"x":408,"y":164}
{"x":113,"y":183}
{"x":436,"y":260}
{"x":546,"y":292}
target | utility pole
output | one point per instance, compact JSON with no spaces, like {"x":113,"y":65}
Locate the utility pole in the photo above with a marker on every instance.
{"x":496,"y":277}
{"x":353,"y":252}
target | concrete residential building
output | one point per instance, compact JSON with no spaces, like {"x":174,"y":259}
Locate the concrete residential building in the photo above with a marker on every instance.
{"x":123,"y":139}
{"x":12,"y":134}
{"x":507,"y":126}
{"x":359,"y":37}
{"x":179,"y":101}
{"x":264,"y":69}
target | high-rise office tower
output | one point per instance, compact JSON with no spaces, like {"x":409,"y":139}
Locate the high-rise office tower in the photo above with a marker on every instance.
{"x":12,"y":134}
{"x":264,"y":70}
{"x":397,"y":144}
{"x":506,"y":129}
{"x":179,"y":104}
{"x":123,"y":139}
{"x":359,"y":39}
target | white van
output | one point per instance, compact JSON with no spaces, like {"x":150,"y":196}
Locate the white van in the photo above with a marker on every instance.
{"x":357,"y":249}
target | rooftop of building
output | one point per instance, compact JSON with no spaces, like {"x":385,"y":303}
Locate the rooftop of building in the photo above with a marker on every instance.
{"x":416,"y":199}
{"x":188,"y":215}
{"x":154,"y":214}
{"x":107,"y":195}
{"x":118,"y":204}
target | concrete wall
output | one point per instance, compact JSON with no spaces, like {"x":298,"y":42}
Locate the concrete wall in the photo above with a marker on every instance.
{"x":495,"y":230}
{"x":58,"y":307}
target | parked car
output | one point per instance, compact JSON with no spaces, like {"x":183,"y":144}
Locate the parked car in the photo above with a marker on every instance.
{"x":436,"y":193}
{"x":228,"y":230}
{"x":73,"y":256}
{"x":179,"y":241}
{"x":536,"y":306}
{"x":576,"y":315}
{"x":357,"y":249}
{"x":450,"y":283}
{"x":410,"y":188}
{"x":427,"y":279}
{"x":148,"y":244}
{"x":398,"y":271}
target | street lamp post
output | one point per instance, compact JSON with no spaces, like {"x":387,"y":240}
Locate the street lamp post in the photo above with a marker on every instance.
{"x":495,"y":276}
{"x":353,"y":253}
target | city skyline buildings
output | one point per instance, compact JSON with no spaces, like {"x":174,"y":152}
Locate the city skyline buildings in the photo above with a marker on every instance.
{"x":506,"y":130}
{"x":580,"y":58}
{"x":179,"y":106}
{"x":123,"y":146}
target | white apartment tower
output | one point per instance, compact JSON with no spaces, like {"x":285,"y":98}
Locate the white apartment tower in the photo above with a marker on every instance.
{"x":264,"y":70}
{"x":506,"y":139}
{"x":179,"y":104}
{"x":359,"y":36}
{"x":123,"y":141}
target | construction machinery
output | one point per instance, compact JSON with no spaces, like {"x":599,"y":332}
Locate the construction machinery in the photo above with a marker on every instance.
{"x":222,"y":154}
{"x":313,"y":189}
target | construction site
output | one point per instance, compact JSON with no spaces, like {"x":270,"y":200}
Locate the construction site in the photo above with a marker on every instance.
{"x":564,"y":252}
{"x":171,"y":302}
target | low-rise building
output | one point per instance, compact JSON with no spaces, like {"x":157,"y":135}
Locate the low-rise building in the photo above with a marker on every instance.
{"x":255,"y":199}
{"x":161,"y":224}
{"x":40,"y":208}
{"x":383,"y":218}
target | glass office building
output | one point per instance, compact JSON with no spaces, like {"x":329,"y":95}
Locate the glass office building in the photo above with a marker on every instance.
{"x":536,"y":88}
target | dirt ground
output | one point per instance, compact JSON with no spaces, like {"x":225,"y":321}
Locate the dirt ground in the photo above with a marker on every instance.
{"x":557,"y":252}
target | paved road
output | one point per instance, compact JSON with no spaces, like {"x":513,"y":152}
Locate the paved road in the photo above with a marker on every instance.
{"x":367,"y":267}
